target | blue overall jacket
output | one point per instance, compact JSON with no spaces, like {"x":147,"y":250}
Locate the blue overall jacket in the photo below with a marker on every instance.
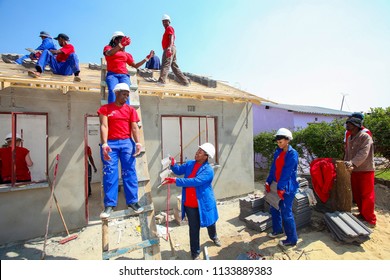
{"x":204,"y":192}
{"x":288,"y":178}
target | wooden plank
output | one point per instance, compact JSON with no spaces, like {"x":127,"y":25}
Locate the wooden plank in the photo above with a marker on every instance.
{"x":128,"y":213}
{"x":120,"y":251}
{"x":105,"y":239}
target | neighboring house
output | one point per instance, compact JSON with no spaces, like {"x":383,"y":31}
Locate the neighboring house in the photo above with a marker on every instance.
{"x":271,"y":116}
{"x":58,"y":116}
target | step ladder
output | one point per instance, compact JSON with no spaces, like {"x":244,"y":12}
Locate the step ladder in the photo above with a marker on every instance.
{"x":150,"y":241}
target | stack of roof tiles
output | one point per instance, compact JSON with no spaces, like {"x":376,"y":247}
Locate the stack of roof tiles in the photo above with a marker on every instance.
{"x":344,"y":227}
{"x":249,"y":205}
{"x":302,"y":211}
{"x":259,"y":221}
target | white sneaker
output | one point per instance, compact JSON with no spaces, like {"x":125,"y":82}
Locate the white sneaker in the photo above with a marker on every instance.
{"x":106,"y":213}
{"x":136,"y":207}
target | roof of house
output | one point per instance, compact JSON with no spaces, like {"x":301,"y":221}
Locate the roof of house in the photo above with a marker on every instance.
{"x":307,"y":109}
{"x":201,"y":88}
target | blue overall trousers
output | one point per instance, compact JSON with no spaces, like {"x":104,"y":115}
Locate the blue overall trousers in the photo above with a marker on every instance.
{"x":112,"y":79}
{"x":285,"y":213}
{"x":67,"y":68}
{"x":122,"y":150}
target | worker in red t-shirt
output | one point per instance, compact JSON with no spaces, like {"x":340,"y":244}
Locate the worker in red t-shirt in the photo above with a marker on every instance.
{"x":169,"y":55}
{"x":117,"y":59}
{"x":62,"y":62}
{"x":284,"y":172}
{"x":198,"y":200}
{"x":120,"y":137}
{"x":23,"y":161}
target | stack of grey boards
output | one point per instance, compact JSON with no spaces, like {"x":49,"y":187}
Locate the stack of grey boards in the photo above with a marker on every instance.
{"x":259,"y":221}
{"x":344,"y":227}
{"x":249,"y":205}
{"x":301,"y":209}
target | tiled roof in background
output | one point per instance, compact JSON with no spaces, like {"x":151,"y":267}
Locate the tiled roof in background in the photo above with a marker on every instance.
{"x":307,"y":109}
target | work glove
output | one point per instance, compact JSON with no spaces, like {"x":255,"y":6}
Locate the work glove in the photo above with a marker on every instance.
{"x":169,"y":180}
{"x":138,"y":147}
{"x":106,"y":149}
{"x":173,"y":161}
{"x":349,"y":165}
{"x":125,"y":42}
{"x":267,"y":187}
{"x":168,"y":52}
{"x":37,"y":55}
{"x":281,"y":194}
{"x":150,"y":55}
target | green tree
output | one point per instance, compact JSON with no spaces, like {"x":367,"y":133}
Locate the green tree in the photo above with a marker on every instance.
{"x":264,"y":144}
{"x":321,"y":139}
{"x":378,"y":122}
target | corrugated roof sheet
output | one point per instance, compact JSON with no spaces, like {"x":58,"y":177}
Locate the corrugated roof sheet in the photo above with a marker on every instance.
{"x":307,"y":109}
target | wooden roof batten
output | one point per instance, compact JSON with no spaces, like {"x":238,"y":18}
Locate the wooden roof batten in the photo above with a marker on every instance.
{"x":16,"y":76}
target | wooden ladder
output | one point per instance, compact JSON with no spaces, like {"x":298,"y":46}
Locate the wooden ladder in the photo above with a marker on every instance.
{"x":150,"y":240}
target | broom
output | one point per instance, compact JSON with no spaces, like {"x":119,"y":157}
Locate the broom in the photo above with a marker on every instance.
{"x":68,"y":237}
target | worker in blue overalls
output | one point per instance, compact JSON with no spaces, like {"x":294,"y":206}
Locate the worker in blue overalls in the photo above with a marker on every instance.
{"x":284,"y":172}
{"x":120,"y":142}
{"x":47,"y":44}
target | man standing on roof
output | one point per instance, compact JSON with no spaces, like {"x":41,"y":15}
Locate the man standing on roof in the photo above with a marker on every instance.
{"x":117,"y":59}
{"x":118,"y":128}
{"x":198,"y":202}
{"x":169,"y":55}
{"x":359,"y":159}
{"x":47,"y":44}
{"x":62,"y":62}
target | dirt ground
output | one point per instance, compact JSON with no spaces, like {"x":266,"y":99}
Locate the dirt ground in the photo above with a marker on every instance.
{"x":315,"y":241}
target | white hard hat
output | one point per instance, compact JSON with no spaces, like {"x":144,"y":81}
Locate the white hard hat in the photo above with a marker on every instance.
{"x":9,"y":137}
{"x":284,"y":132}
{"x":208,"y":148}
{"x":121,"y":86}
{"x":166,"y":17}
{"x":116,"y":34}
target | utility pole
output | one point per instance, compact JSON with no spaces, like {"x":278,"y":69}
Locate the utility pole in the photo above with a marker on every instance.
{"x":342,"y":101}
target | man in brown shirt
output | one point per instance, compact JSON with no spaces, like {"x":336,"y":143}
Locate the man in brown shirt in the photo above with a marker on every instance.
{"x":359,"y":158}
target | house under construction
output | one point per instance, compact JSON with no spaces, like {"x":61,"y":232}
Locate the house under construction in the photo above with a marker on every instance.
{"x":57,"y":116}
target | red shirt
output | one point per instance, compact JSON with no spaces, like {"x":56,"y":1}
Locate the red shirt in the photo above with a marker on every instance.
{"x":89,"y":151}
{"x":117,"y":63}
{"x":191,"y":200}
{"x":165,"y":39}
{"x":66,"y":51}
{"x":279,"y":163}
{"x":22,"y":171}
{"x":119,"y":120}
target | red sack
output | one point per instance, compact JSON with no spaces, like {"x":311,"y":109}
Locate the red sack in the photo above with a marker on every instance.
{"x":323,"y":174}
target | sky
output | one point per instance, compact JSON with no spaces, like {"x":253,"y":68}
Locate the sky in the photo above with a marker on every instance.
{"x":299,"y":52}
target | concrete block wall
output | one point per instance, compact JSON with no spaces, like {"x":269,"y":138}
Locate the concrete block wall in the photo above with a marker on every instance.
{"x":235,"y":174}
